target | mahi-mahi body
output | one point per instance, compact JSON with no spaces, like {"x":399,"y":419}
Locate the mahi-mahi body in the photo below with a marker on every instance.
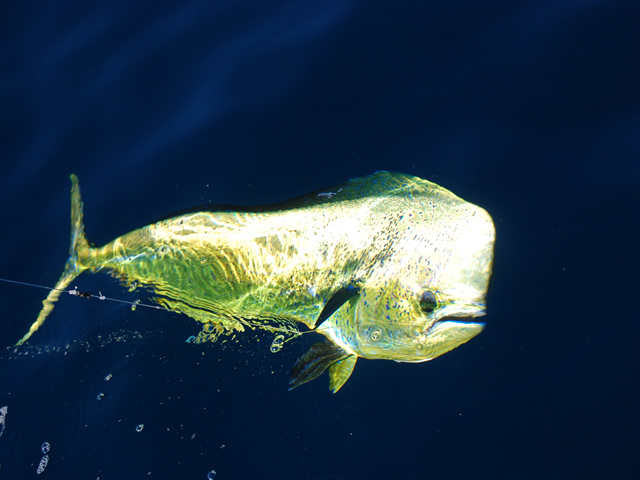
{"x":387,"y":266}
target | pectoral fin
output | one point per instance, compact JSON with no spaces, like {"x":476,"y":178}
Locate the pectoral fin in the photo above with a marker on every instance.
{"x":338,"y":299}
{"x":317,"y":359}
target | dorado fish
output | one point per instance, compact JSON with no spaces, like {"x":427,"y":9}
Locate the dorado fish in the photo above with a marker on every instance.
{"x":387,"y":266}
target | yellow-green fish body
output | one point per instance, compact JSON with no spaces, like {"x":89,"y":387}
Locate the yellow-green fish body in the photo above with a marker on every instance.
{"x":387,"y":266}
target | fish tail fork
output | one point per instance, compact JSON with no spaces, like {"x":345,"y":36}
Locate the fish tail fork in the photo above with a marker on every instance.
{"x":79,"y":249}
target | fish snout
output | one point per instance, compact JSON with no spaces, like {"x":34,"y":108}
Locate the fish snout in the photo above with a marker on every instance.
{"x":448,"y":333}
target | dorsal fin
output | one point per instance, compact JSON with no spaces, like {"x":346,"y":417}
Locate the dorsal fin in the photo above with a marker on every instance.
{"x":378,"y":184}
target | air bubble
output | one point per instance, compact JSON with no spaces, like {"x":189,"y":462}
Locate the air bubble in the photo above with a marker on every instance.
{"x":46,"y":447}
{"x":44,"y":461}
{"x":3,"y":414}
{"x":277,"y":344}
{"x":100,"y":396}
{"x":211,"y":475}
{"x":108,"y":377}
{"x":139,"y":427}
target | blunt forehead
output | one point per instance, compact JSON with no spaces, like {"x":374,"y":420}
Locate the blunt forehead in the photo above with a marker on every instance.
{"x":447,"y":244}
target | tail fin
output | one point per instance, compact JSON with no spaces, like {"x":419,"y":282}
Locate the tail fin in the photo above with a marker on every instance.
{"x":79,"y":249}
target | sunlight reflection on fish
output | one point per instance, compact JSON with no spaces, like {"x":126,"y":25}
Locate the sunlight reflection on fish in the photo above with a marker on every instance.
{"x":387,"y":266}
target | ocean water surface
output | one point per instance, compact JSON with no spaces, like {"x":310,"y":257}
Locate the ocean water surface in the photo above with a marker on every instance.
{"x":529,"y":109}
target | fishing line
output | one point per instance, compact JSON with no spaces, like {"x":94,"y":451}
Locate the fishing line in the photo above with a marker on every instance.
{"x":313,"y":431}
{"x":315,"y":424}
{"x":79,"y":293}
{"x":137,"y":303}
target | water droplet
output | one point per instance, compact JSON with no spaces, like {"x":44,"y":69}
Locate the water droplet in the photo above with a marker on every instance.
{"x":100,"y":396}
{"x":44,"y":461}
{"x":108,"y":377}
{"x":3,"y":414}
{"x":277,"y":343}
{"x":139,"y":427}
{"x":46,"y":447}
{"x":211,"y":475}
{"x":134,"y":305}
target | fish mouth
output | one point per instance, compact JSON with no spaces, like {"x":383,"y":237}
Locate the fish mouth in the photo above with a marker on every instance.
{"x":445,"y":334}
{"x":461,"y":321}
{"x":465,"y":319}
{"x":455,"y":329}
{"x":456,"y":320}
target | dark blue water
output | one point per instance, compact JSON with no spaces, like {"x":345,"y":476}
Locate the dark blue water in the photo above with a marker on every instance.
{"x":529,"y":109}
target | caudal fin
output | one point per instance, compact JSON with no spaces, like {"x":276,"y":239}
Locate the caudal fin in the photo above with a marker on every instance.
{"x":79,"y":248}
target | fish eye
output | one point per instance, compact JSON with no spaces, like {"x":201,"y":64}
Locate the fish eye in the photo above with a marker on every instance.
{"x":376,"y":334}
{"x":428,"y":302}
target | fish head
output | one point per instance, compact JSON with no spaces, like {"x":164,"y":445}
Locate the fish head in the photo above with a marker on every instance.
{"x":417,"y":325}
{"x":425,"y":299}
